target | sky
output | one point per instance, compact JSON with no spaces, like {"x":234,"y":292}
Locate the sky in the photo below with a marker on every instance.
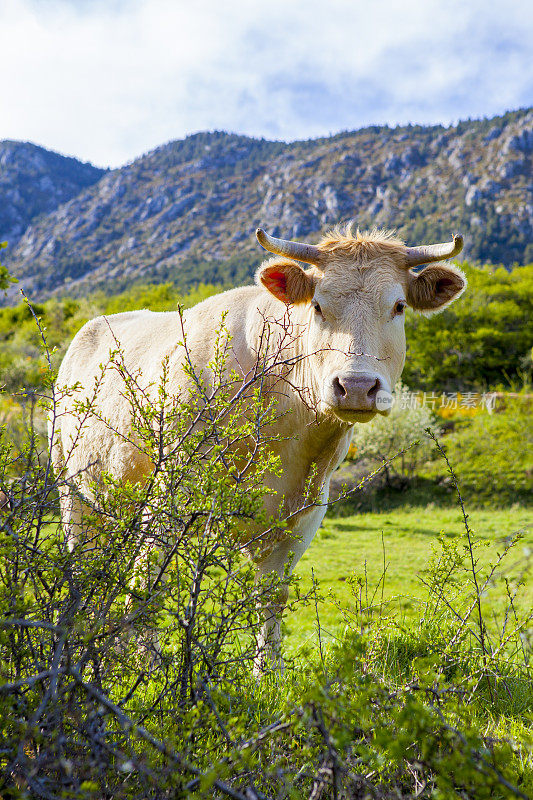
{"x":108,"y":80}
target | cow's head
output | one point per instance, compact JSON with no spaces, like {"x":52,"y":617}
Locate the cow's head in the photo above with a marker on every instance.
{"x":352,"y":300}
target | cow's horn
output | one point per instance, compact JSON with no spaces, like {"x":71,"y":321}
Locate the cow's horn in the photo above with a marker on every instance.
{"x":433,"y":252}
{"x":282,"y":247}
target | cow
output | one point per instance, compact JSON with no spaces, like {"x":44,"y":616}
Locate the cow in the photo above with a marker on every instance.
{"x":348,"y":306}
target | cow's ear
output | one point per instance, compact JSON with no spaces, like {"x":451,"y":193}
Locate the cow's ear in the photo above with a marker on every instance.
{"x":435,"y":287}
{"x":287,"y":281}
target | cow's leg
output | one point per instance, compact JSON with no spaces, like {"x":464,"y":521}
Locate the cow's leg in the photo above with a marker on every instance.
{"x":72,"y":509}
{"x":268,"y":654}
{"x":281,"y":561}
{"x":150,"y":576}
{"x":278,"y":565}
{"x":70,"y":504}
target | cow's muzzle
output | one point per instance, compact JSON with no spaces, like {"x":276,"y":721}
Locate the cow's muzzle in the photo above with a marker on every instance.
{"x":357,"y":396}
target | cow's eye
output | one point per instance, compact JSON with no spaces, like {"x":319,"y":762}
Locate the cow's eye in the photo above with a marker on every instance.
{"x":399,"y":307}
{"x":317,"y":308}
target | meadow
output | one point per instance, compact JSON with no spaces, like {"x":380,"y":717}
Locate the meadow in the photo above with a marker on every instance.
{"x":384,"y":557}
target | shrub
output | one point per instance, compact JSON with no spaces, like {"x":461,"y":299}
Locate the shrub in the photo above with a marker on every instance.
{"x":5,"y":277}
{"x":478,"y":343}
{"x":153,"y":611}
{"x":493,"y":456}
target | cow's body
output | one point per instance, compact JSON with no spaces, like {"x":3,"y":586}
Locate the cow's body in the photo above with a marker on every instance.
{"x":337,"y":358}
{"x":146,"y":338}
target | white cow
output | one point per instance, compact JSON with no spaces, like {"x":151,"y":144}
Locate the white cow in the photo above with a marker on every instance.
{"x":348,"y":309}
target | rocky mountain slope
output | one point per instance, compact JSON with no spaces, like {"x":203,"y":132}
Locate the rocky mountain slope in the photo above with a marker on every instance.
{"x":36,"y":181}
{"x":187,"y":210}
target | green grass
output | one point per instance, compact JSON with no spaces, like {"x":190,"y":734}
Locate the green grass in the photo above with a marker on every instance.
{"x":403,"y":540}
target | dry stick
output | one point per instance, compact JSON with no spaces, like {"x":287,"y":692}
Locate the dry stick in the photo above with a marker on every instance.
{"x":49,"y":693}
{"x":511,"y":602}
{"x":336,"y":765}
{"x":462,"y":620}
{"x":6,"y":688}
{"x":471,"y":552}
{"x":384,"y":571}
{"x":128,"y":725}
{"x":27,"y":623}
{"x":318,"y":623}
{"x":485,"y":584}
{"x":366,"y":597}
{"x":466,"y":616}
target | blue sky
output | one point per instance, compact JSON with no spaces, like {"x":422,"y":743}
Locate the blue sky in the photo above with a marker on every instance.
{"x":108,"y":80}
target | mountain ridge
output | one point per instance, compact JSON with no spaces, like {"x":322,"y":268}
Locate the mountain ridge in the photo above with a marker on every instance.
{"x":187,"y":210}
{"x":35,"y":181}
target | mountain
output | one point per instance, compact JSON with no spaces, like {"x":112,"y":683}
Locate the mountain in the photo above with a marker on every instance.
{"x":35,"y":181}
{"x":187,"y":210}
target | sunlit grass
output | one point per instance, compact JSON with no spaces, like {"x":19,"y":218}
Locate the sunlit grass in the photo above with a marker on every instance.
{"x":402,"y":540}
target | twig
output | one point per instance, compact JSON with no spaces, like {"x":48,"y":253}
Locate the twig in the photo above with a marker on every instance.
{"x":469,"y":534}
{"x":318,"y":623}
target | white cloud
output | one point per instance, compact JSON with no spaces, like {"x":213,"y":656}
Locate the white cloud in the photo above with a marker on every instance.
{"x":107,"y":81}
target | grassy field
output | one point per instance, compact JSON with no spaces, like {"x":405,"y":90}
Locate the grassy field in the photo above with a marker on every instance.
{"x":403,"y":541}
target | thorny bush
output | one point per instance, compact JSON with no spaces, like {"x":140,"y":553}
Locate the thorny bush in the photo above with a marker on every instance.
{"x":126,"y":661}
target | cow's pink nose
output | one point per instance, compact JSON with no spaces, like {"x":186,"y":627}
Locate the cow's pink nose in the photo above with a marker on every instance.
{"x":356,"y":391}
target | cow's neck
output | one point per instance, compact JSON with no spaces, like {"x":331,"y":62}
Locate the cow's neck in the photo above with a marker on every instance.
{"x":310,"y":445}
{"x":324,"y":442}
{"x":309,"y":454}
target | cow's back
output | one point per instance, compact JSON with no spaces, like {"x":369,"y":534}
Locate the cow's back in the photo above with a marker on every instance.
{"x":144,"y":337}
{"x":91,"y":408}
{"x":141,"y":341}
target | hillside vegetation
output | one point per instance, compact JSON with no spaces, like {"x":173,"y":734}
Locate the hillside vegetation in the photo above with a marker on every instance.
{"x":187,"y":211}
